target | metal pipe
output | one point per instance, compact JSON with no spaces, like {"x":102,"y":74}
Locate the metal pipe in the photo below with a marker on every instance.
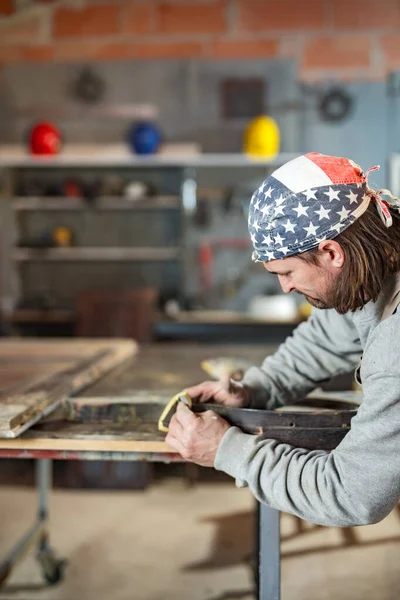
{"x":270,"y":555}
{"x":43,"y":483}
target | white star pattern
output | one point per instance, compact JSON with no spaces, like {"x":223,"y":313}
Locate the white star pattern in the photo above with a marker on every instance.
{"x":268,"y":193}
{"x":343,"y":214}
{"x":265,"y":210}
{"x":352,"y":197}
{"x":309,"y":195}
{"x":311,"y":229}
{"x":323,"y":213}
{"x":332,"y":194}
{"x":283,"y":223}
{"x":301,"y":210}
{"x":267,"y":240}
{"x":279,"y":211}
{"x":289,"y":226}
{"x":337,"y":227}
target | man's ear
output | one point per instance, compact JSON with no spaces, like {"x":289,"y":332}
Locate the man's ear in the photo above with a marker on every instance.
{"x":331,"y":254}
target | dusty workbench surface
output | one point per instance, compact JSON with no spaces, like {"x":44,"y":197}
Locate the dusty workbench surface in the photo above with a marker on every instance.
{"x":138,"y":387}
{"x":169,"y":368}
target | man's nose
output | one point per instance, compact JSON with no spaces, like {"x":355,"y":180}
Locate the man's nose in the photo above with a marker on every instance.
{"x":286,"y":286}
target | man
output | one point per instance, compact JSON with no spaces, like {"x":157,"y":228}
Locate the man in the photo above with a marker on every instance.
{"x":317,"y":225}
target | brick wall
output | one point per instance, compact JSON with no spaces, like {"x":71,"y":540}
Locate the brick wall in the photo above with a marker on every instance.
{"x":342,"y":39}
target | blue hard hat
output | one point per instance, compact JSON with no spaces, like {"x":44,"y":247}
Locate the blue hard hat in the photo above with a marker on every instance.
{"x":144,"y":138}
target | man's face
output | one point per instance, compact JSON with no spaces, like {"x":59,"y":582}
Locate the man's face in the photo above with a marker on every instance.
{"x":317,"y":284}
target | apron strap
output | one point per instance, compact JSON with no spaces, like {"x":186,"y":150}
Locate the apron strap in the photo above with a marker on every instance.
{"x":393,"y":303}
{"x":389,"y":309}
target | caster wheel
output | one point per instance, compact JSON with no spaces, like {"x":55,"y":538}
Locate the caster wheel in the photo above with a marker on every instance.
{"x":52,"y":567}
{"x":55,"y":576}
{"x":4,"y":573}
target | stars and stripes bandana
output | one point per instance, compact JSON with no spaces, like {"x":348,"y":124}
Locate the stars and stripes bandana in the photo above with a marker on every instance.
{"x":309,"y":199}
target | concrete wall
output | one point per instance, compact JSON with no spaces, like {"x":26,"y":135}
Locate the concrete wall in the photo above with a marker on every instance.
{"x":187,"y":94}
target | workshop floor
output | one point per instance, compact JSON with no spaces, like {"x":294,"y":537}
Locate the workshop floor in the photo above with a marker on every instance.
{"x":179,"y":543}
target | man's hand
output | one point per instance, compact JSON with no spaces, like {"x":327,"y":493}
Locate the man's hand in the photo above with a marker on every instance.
{"x":225,"y":392}
{"x":196,"y":437}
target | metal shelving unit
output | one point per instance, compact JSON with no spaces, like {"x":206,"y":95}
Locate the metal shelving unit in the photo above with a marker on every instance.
{"x":175,"y":201}
{"x":95,"y":254}
{"x":109,"y":156}
{"x":22,"y":204}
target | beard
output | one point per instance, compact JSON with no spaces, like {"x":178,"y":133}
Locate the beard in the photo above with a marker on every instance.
{"x":318,"y":302}
{"x":330,"y":297}
{"x":336,"y":295}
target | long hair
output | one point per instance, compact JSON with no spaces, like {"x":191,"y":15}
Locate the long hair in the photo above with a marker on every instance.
{"x":372,"y":253}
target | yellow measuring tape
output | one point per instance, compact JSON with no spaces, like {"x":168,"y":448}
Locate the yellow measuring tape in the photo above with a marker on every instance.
{"x":169,"y":410}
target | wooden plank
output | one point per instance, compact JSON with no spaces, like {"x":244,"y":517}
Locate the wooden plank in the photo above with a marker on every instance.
{"x":86,"y":445}
{"x":48,"y":372}
{"x":166,"y":369}
{"x":144,"y":437}
{"x":17,"y":376}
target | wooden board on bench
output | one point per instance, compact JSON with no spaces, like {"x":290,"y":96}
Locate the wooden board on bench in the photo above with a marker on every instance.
{"x":36,"y":375}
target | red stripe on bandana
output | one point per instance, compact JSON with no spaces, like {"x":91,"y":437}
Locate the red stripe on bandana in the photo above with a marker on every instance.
{"x":339,"y":170}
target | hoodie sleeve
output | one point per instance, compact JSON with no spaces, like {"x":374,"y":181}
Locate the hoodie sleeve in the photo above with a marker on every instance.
{"x":324,"y":346}
{"x":357,"y":483}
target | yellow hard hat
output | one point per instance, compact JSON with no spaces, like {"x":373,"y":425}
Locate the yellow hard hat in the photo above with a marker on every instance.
{"x":62,"y":236}
{"x":261,"y":138}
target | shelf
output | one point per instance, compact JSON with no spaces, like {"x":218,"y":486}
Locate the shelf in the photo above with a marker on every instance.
{"x":109,"y":156}
{"x":35,"y":203}
{"x":95,"y":254}
{"x":239,"y":332}
{"x":230,"y":317}
{"x":31,"y":315}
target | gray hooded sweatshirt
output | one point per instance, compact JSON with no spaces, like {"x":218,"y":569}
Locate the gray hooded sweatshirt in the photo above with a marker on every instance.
{"x":358,"y":482}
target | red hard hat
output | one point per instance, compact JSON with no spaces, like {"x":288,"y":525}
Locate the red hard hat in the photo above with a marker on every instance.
{"x":45,"y":138}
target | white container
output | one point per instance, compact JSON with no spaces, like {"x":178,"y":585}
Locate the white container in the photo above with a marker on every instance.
{"x":274,"y":308}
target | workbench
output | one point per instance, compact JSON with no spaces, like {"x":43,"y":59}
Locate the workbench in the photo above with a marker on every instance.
{"x":115,"y":418}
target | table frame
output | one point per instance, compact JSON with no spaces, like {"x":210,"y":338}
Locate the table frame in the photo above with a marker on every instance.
{"x":268,"y":580}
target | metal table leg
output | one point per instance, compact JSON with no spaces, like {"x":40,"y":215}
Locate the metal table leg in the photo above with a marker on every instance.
{"x":269,"y":584}
{"x":37,"y":534}
{"x":52,"y":567}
